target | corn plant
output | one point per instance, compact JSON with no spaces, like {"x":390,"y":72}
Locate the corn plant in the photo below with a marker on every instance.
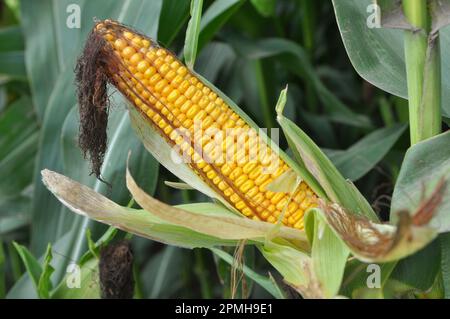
{"x":133,"y":103}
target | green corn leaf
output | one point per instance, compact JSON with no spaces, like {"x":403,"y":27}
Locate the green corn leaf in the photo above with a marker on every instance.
{"x":80,"y":283}
{"x":425,"y":167}
{"x":377,"y":54}
{"x":215,"y":17}
{"x":176,"y":185}
{"x":328,"y":252}
{"x":361,"y":157}
{"x":45,"y":285}
{"x":265,"y":8}
{"x":295,"y":266}
{"x":192,"y":33}
{"x":358,"y":275}
{"x":32,"y":265}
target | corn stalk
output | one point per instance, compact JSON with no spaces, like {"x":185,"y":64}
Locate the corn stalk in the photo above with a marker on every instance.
{"x":423,"y":64}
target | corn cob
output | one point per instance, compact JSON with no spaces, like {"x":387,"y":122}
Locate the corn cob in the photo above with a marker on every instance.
{"x":174,"y":100}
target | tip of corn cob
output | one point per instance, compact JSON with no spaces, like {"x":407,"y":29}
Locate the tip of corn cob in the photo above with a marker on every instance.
{"x":174,"y":100}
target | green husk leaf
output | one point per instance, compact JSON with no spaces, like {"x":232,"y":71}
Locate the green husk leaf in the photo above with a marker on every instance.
{"x":336,"y":188}
{"x":329,"y":254}
{"x":295,"y":266}
{"x":86,"y":202}
{"x":285,"y":183}
{"x":159,"y":223}
{"x":440,"y":14}
{"x":177,"y":185}
{"x":224,"y":227}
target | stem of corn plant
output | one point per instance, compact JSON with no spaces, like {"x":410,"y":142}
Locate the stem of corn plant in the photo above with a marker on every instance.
{"x":423,"y":64}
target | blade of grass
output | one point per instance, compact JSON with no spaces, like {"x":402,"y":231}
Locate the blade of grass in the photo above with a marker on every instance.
{"x":192,"y":33}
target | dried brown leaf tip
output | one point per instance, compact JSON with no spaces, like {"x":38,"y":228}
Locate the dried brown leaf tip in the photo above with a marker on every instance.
{"x":359,"y":233}
{"x":384,"y":242}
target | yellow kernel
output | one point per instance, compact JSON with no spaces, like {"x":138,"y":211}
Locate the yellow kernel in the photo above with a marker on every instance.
{"x":247,"y":211}
{"x":228,"y":192}
{"x":184,"y":86}
{"x":128,"y":35}
{"x":240,"y":180}
{"x":175,"y":65}
{"x":136,"y":58}
{"x":182,"y":70}
{"x":166,"y":90}
{"x":164,"y":69}
{"x":193,"y":80}
{"x":150,"y":55}
{"x":192,"y":111}
{"x":234,"y":198}
{"x":246,"y":186}
{"x":248,"y":167}
{"x":186,"y":106}
{"x":146,"y":43}
{"x":258,"y":198}
{"x":143,"y":66}
{"x":160,"y":85}
{"x":197,"y":96}
{"x":211,"y":175}
{"x":177,"y":80}
{"x":173,"y":96}
{"x":120,"y":44}
{"x":190,"y":92}
{"x":128,"y":52}
{"x":226,"y":169}
{"x":222,"y":186}
{"x":148,"y":72}
{"x":236,"y":173}
{"x":240,"y":205}
{"x":169,"y":59}
{"x":253,"y":191}
{"x":277,"y":197}
{"x":282,"y":203}
{"x":203,"y":102}
{"x":161,"y":52}
{"x":207,"y":121}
